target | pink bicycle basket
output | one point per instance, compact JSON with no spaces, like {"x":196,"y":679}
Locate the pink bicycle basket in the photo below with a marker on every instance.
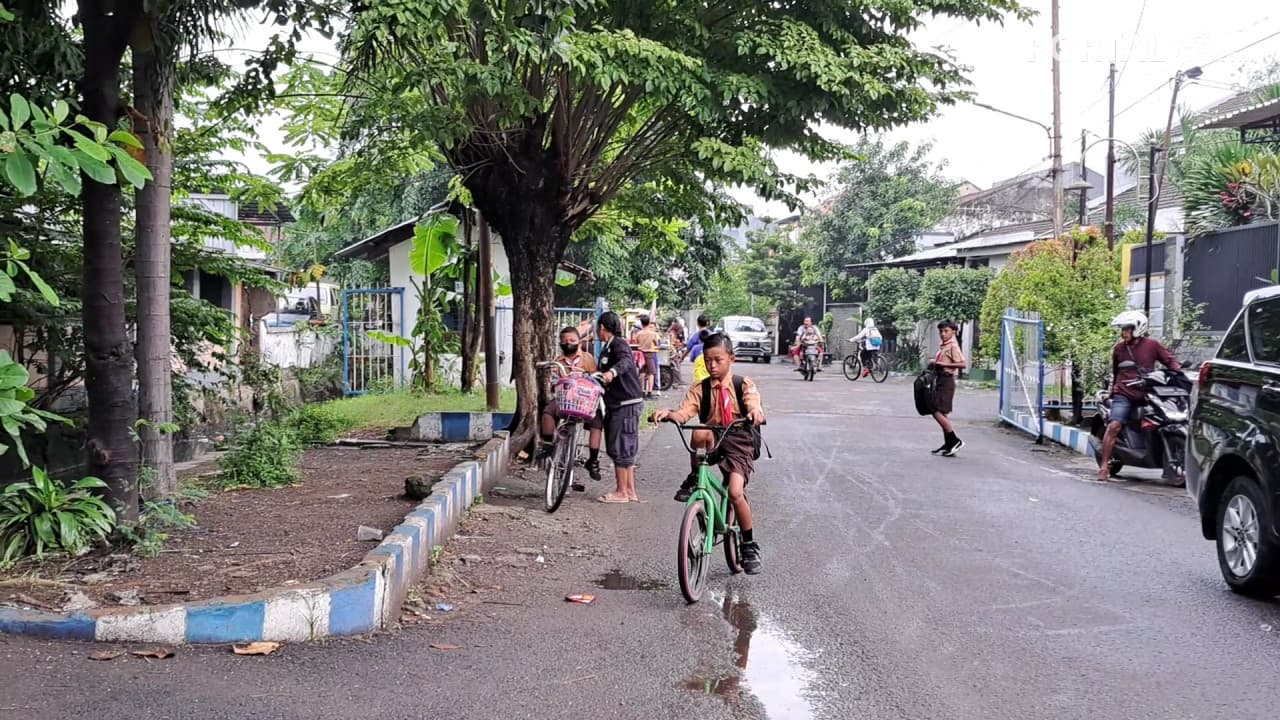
{"x":578,"y":397}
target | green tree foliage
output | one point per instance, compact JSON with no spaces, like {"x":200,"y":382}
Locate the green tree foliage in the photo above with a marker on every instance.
{"x":548,"y":110}
{"x":728,"y":292}
{"x":954,"y":293}
{"x":1076,"y":300}
{"x":772,"y":268}
{"x":893,"y":298}
{"x":886,"y":196}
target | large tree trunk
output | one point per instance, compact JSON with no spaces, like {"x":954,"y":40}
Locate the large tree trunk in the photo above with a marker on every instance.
{"x":112,"y":455}
{"x":470,"y":344}
{"x":153,"y":100}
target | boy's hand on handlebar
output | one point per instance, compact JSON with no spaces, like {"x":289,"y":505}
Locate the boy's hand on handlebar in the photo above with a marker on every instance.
{"x":660,"y":415}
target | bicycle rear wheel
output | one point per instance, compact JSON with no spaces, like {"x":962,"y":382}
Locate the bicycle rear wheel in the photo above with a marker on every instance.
{"x":852,"y":368}
{"x":879,"y":369}
{"x":732,"y":542}
{"x":691,"y":558}
{"x":560,"y":469}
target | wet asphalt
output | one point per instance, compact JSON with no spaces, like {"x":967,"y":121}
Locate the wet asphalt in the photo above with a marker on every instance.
{"x":997,"y":584}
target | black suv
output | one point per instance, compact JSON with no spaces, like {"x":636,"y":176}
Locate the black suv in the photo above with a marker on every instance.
{"x":1233,"y":457}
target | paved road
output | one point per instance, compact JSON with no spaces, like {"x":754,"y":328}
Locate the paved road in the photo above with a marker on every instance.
{"x":999,"y":584}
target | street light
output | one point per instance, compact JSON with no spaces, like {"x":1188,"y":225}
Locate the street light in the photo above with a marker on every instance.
{"x":1157,"y":180}
{"x":1109,"y":223}
{"x":1048,"y":131}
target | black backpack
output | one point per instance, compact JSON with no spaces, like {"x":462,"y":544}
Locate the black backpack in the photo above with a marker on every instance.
{"x":925,"y":387}
{"x":704,"y":414}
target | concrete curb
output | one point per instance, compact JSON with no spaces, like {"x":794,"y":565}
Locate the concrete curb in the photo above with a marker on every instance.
{"x":459,"y":426}
{"x":1069,"y":437}
{"x":365,"y":598}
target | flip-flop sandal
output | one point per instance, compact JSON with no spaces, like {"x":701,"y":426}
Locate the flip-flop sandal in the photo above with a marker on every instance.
{"x":612,"y":499}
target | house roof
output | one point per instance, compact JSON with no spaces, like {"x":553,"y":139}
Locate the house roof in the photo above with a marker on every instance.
{"x":255,"y":214}
{"x":1261,"y":113}
{"x":379,"y":244}
{"x":1129,"y":198}
{"x":1016,"y":234}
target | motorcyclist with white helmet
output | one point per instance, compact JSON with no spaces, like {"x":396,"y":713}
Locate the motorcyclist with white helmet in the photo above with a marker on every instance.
{"x":1144,"y":353}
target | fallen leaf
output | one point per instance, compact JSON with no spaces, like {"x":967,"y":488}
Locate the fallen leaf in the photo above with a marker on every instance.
{"x":444,"y":646}
{"x":157,"y":653}
{"x":105,"y":654}
{"x":256,"y":648}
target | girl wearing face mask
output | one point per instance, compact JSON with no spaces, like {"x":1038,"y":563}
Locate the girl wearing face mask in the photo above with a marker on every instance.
{"x":574,"y":356}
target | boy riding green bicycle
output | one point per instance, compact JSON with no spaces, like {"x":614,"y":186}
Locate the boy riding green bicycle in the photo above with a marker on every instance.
{"x":720,"y":400}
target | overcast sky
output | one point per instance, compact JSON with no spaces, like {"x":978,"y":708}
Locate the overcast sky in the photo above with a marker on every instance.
{"x":1149,"y":40}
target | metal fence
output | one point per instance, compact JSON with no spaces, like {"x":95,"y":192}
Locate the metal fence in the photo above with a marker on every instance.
{"x":370,"y":362}
{"x":1222,"y":266}
{"x":1022,"y":372}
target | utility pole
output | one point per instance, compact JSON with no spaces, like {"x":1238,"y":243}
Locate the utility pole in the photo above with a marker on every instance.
{"x":1057,"y":128}
{"x":484,"y":274}
{"x":1178,"y":79}
{"x":1151,"y":225}
{"x":1084,"y":179}
{"x":1110,"y":221}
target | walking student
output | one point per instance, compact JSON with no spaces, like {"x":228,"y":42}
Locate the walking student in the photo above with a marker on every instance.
{"x":729,"y":399}
{"x":623,"y":404}
{"x":647,"y":341}
{"x":947,"y":364}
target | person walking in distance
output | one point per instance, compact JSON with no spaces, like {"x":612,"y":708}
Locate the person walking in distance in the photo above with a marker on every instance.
{"x":647,"y":341}
{"x":947,"y":364}
{"x":624,"y":402}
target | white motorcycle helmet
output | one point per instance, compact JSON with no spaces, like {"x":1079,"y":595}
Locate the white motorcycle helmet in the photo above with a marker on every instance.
{"x":870,"y":324}
{"x":1135,"y":319}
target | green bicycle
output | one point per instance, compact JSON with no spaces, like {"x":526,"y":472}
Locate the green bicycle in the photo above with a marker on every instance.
{"x":709,"y":519}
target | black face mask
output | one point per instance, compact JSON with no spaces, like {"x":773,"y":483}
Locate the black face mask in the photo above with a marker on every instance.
{"x":568,"y":349}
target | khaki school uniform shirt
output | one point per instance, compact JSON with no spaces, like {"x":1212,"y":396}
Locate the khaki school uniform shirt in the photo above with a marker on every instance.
{"x":692,"y":403}
{"x":647,"y":339}
{"x":951,"y":353}
{"x":582,"y":361}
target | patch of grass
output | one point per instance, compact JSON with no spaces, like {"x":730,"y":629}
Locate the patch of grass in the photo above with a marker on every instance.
{"x":384,"y":411}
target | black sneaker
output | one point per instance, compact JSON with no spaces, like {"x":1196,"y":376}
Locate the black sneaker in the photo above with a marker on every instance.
{"x":750,"y":554}
{"x":578,"y":487}
{"x":593,"y":468}
{"x":545,"y":452}
{"x":941,"y":449}
{"x":951,"y":451}
{"x":686,"y":489}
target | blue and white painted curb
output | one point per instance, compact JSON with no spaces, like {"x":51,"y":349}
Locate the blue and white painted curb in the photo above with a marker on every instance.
{"x":361,"y":600}
{"x":1073,"y":438}
{"x":459,"y":426}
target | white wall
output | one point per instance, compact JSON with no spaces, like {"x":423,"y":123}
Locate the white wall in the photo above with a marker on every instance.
{"x":398,"y":261}
{"x":289,"y":347}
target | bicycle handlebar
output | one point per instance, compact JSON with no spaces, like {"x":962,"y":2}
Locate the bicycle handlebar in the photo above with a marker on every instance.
{"x":720,"y":430}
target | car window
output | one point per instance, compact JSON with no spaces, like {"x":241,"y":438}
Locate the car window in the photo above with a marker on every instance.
{"x":749,"y":326}
{"x":1233,"y":345}
{"x":1264,"y":331}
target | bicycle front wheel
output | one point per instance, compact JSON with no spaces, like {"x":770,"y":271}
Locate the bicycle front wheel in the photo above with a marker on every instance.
{"x":852,"y":368}
{"x":560,"y":469}
{"x":879,"y":369}
{"x":732,"y":541}
{"x":691,"y":556}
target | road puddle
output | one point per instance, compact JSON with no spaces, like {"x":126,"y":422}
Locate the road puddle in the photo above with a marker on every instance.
{"x":768,"y":665}
{"x":617,"y":580}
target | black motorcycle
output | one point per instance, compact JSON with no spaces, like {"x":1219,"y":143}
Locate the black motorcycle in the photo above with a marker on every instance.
{"x":1156,"y":434}
{"x":810,"y":362}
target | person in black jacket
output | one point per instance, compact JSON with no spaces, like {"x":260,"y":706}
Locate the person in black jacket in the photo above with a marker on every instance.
{"x":624,"y":401}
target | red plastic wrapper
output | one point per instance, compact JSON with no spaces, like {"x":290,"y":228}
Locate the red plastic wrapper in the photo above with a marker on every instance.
{"x":581,"y":599}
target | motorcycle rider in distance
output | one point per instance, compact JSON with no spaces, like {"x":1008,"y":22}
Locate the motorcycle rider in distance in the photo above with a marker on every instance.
{"x":806,"y":335}
{"x":869,"y":341}
{"x":1144,"y":353}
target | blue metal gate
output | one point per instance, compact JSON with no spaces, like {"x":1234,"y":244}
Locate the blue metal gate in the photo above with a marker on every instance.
{"x":1022,"y":372}
{"x":371,"y":363}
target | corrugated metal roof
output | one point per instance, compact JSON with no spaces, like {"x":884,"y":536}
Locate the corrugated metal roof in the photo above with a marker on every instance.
{"x":1257,"y":111}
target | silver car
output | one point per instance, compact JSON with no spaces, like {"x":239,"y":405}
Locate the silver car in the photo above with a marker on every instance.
{"x":750,"y":337}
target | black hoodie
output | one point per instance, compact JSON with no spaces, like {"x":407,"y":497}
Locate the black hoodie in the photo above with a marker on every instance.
{"x":616,"y":357}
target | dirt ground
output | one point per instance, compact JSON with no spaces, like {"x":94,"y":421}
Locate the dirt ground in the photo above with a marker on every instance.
{"x":248,"y":540}
{"x":508,"y":549}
